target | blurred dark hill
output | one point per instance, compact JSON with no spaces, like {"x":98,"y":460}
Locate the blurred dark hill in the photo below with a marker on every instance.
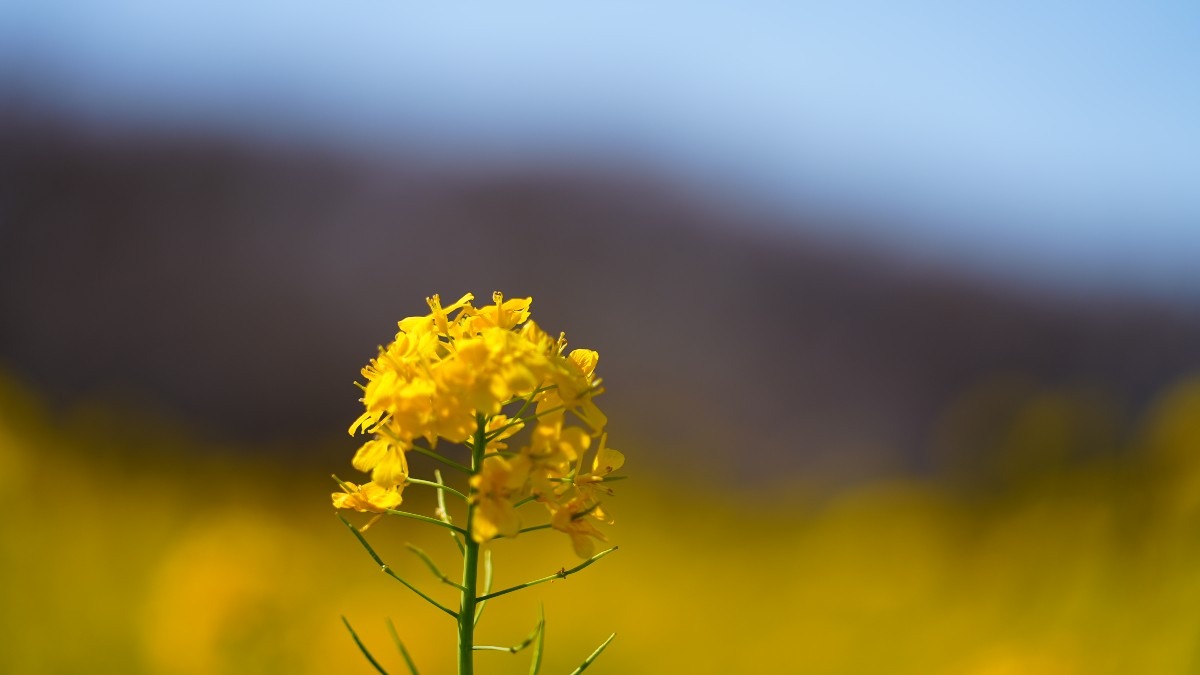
{"x":241,"y":286}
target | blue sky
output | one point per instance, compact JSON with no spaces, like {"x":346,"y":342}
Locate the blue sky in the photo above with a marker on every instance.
{"x":1039,"y":137}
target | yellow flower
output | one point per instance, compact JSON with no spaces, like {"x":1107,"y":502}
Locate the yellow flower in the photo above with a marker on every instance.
{"x":440,"y":315}
{"x":590,"y":486}
{"x":586,"y":359}
{"x":501,"y":428}
{"x":572,"y":519}
{"x":552,"y":449}
{"x":491,"y":368}
{"x":457,"y":365}
{"x":553,"y":442}
{"x":370,"y":497}
{"x":493,"y":491}
{"x":385,"y":461}
{"x":575,"y":385}
{"x":503,"y":314}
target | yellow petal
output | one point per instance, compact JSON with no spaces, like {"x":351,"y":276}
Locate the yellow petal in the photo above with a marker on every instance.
{"x":364,"y":420}
{"x":574,"y":442}
{"x":583,"y":545}
{"x":607,"y":459}
{"x":392,"y":469}
{"x":592,"y":415}
{"x":586,"y":359}
{"x":370,"y":454}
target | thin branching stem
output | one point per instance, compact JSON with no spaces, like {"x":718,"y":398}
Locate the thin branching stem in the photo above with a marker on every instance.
{"x":516,"y":419}
{"x":542,"y":413}
{"x":531,"y":528}
{"x":561,"y":574}
{"x":433,"y":567}
{"x":523,"y":420}
{"x":435,"y":456}
{"x":425,"y":519}
{"x":594,"y":479}
{"x":437,"y":486}
{"x":537,"y":629}
{"x":523,"y":502}
{"x":388,"y":570}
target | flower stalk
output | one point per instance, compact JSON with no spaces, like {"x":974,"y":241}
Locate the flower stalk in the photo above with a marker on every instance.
{"x":466,"y":610}
{"x":490,"y":380}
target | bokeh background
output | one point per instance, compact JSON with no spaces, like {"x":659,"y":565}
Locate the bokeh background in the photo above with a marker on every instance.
{"x":897,"y":305}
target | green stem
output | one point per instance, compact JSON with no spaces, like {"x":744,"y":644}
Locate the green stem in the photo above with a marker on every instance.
{"x":432,"y":566}
{"x":604,"y":479}
{"x":433,"y":455}
{"x":523,"y":502}
{"x":466,"y":610}
{"x":426,"y":519}
{"x":561,"y":574}
{"x":388,"y":570}
{"x":515,"y":419}
{"x":432,"y":484}
{"x":531,"y":528}
{"x":466,"y":616}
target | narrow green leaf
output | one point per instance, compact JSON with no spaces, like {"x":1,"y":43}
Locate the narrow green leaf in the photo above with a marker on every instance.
{"x":588,"y":661}
{"x":487,"y":583}
{"x":433,"y":567}
{"x":363,"y":648}
{"x":537,"y":629}
{"x":412,"y":667}
{"x":444,"y":514}
{"x":535,"y":664}
{"x":435,"y":456}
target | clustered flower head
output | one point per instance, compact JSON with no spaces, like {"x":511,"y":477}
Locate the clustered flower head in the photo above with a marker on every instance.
{"x":462,"y":371}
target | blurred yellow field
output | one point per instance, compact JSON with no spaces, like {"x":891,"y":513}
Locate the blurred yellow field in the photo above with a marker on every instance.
{"x":124,"y":550}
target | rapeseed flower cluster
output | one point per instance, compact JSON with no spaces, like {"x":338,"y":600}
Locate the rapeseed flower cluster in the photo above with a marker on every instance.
{"x":487,"y":377}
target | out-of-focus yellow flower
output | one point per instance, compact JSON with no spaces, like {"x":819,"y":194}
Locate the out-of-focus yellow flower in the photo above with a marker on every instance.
{"x":554,"y":442}
{"x":572,"y":518}
{"x":500,"y":428}
{"x":606,"y":461}
{"x":493,"y":490}
{"x":551,"y":451}
{"x":590,"y":486}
